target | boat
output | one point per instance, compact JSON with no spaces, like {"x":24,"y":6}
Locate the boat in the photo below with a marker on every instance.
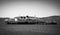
{"x":27,"y":20}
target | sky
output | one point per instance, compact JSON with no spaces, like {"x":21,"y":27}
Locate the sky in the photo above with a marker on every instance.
{"x":38,"y":8}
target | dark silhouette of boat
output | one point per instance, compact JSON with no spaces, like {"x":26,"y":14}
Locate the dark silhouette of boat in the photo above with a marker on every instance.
{"x":27,"y":20}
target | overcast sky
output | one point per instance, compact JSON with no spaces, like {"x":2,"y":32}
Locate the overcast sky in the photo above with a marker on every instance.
{"x":36,"y":8}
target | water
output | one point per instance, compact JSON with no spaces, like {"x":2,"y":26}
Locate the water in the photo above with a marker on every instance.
{"x":29,"y":29}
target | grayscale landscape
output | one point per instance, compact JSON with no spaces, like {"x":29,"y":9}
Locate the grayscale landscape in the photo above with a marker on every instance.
{"x":30,"y":29}
{"x":29,"y":17}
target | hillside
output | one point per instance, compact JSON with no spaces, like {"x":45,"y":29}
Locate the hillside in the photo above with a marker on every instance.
{"x":2,"y":20}
{"x":51,"y":19}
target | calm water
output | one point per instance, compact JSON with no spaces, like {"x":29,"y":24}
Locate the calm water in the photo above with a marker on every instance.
{"x":29,"y":29}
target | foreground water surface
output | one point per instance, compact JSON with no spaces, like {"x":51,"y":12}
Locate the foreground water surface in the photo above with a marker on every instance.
{"x":29,"y":29}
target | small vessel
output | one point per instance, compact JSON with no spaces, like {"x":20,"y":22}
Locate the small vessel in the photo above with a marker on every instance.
{"x":27,"y":20}
{"x":22,"y":20}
